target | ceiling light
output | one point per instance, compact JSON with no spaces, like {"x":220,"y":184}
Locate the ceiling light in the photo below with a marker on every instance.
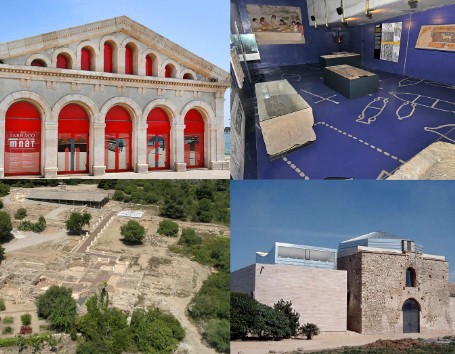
{"x":413,"y":4}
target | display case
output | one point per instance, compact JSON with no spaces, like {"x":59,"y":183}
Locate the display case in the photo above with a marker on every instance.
{"x":339,"y":58}
{"x":349,"y":81}
{"x":285,"y":118}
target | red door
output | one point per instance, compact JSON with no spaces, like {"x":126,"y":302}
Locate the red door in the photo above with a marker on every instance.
{"x":194,"y":139}
{"x":22,"y":140}
{"x":118,"y":144}
{"x":158,"y":137}
{"x":73,"y":140}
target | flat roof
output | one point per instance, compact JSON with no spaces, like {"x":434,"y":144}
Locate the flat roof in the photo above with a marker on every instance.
{"x":65,"y":195}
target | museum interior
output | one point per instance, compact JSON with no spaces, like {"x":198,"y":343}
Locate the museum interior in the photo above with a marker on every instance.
{"x":343,"y":89}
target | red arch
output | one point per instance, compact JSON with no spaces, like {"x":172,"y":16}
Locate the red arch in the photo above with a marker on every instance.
{"x":73,"y":140}
{"x":129,"y":59}
{"x":194,"y":139}
{"x":38,"y":62}
{"x":118,"y":140}
{"x":86,"y":59}
{"x":62,"y":61}
{"x":158,"y":140}
{"x":148,"y":66}
{"x":168,"y":71}
{"x":108,"y":66}
{"x":22,"y":140}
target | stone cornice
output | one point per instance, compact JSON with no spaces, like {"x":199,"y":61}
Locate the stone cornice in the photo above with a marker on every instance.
{"x":58,"y":39}
{"x":98,"y":78}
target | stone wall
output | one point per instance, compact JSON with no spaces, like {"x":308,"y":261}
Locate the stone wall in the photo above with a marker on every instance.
{"x":317,"y":294}
{"x":379,"y":280}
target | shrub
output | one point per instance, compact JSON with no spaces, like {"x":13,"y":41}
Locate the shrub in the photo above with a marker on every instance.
{"x":37,"y":227}
{"x":168,"y":228}
{"x":7,"y":330}
{"x":26,"y":319}
{"x":4,"y":189}
{"x":216,"y":333}
{"x":2,"y":305}
{"x":133,"y":232}
{"x":286,"y":308}
{"x":309,"y":330}
{"x":8,"y":342}
{"x":118,"y":195}
{"x":1,"y":204}
{"x":8,"y":320}
{"x":25,"y":330}
{"x":189,"y":237}
{"x":20,"y":213}
{"x":5,"y":226}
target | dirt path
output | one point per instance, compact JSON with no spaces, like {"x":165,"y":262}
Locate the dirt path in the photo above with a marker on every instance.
{"x":322,"y":341}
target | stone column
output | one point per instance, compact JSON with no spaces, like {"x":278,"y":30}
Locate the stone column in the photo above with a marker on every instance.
{"x":2,"y":148}
{"x":178,"y":139}
{"x":141,"y":135}
{"x":218,"y":159}
{"x":121,"y":60}
{"x":99,"y":164}
{"x":50,"y":141}
{"x":140,"y":65}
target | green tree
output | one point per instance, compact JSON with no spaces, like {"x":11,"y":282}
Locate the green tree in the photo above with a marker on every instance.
{"x":26,"y":319}
{"x":309,"y":330}
{"x":105,"y":330}
{"x":20,"y":213}
{"x":5,"y":226}
{"x":204,"y":211}
{"x":189,"y":237}
{"x":286,"y":308}
{"x":58,"y":307}
{"x":133,"y":232}
{"x":118,"y":195}
{"x":155,"y":332}
{"x":173,"y":207}
{"x":1,"y":204}
{"x":168,"y":228}
{"x":77,"y":221}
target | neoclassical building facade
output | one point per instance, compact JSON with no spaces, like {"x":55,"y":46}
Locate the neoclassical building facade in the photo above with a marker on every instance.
{"x":110,"y":96}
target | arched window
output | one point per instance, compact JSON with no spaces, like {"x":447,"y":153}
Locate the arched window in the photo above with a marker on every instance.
{"x":86,"y":59}
{"x":148,"y":66}
{"x":22,"y":140}
{"x":63,"y":61}
{"x":410,"y":277}
{"x":169,"y":71}
{"x":73,"y":140}
{"x":131,"y":54}
{"x":108,"y":62}
{"x":188,"y":76}
{"x":38,"y":62}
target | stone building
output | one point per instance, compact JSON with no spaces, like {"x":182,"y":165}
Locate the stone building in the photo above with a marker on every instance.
{"x":110,"y":96}
{"x":304,"y":275}
{"x":393,"y":287}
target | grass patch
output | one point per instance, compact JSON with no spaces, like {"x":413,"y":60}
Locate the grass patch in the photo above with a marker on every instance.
{"x":8,"y":320}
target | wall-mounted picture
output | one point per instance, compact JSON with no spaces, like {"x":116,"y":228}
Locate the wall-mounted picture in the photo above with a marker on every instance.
{"x":390,"y":41}
{"x":276,"y":24}
{"x":440,"y":37}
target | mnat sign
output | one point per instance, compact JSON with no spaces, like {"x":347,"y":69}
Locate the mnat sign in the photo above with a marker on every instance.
{"x":22,"y":141}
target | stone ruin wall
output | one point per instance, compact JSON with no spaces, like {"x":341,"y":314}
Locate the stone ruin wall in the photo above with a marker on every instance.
{"x":383,"y":291}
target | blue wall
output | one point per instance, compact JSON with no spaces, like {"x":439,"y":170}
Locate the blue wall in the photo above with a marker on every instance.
{"x":420,"y":63}
{"x":318,"y":41}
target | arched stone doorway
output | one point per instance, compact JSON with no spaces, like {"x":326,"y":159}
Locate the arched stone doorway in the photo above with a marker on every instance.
{"x":118,"y":140}
{"x":411,"y":316}
{"x":22,"y":140}
{"x":73,"y":140}
{"x":158,"y":140}
{"x":194,"y":139}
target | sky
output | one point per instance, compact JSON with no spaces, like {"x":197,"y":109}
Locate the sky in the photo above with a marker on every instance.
{"x":324,"y":213}
{"x":201,"y":26}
